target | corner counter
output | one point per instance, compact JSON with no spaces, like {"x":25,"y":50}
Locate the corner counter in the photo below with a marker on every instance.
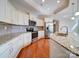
{"x":67,"y":43}
{"x":11,"y":44}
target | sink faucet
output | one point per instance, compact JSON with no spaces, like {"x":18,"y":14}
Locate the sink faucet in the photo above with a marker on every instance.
{"x":65,"y":28}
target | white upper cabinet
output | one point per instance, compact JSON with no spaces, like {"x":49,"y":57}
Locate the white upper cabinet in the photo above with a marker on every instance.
{"x":9,"y":11}
{"x":14,"y":16}
{"x":5,"y":11}
{"x":10,"y":14}
{"x":26,"y":19}
{"x":31,"y":17}
{"x":40,"y":22}
{"x":20,"y":18}
{"x":2,"y":10}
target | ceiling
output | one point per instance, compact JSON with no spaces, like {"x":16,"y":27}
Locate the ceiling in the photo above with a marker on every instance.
{"x":68,"y":12}
{"x":49,"y":5}
{"x":39,"y":8}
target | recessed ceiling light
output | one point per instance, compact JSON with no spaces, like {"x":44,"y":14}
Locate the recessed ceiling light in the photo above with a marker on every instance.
{"x":43,"y":0}
{"x":5,"y":28}
{"x":72,"y":18}
{"x":48,"y":8}
{"x":77,"y":14}
{"x":71,"y":46}
{"x":58,"y":1}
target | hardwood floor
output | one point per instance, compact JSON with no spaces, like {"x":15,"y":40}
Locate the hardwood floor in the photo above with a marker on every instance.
{"x":38,"y":49}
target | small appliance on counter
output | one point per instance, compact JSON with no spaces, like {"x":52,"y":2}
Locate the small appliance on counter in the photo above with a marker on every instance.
{"x":32,"y":23}
{"x":34,"y":32}
{"x":29,"y":29}
{"x":32,"y":28}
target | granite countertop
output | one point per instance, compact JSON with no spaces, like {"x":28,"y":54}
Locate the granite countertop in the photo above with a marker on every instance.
{"x":34,"y":32}
{"x":7,"y":37}
{"x":67,"y":42}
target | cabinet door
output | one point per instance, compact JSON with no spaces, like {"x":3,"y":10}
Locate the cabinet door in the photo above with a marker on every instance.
{"x":3,"y":50}
{"x":6,"y":51}
{"x":2,"y":10}
{"x":5,"y":11}
{"x":40,"y":23}
{"x":17,"y":44}
{"x":27,"y":39}
{"x":40,"y":34}
{"x":20,"y":19}
{"x":31,"y":17}
{"x":26,"y":19}
{"x":8,"y":12}
{"x":14,"y":16}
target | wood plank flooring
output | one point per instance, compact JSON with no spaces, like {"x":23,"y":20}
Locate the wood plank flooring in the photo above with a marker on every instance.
{"x":38,"y":49}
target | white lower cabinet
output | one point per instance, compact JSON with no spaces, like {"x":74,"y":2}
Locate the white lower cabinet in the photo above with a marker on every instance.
{"x":27,"y":38}
{"x":6,"y":51}
{"x":13,"y":47}
{"x":17,"y":45}
{"x":40,"y":34}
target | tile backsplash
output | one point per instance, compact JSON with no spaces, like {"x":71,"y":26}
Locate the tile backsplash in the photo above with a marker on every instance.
{"x":6,"y":29}
{"x":11,"y":28}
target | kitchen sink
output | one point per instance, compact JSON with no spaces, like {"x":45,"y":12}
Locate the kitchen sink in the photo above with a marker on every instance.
{"x":61,"y":34}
